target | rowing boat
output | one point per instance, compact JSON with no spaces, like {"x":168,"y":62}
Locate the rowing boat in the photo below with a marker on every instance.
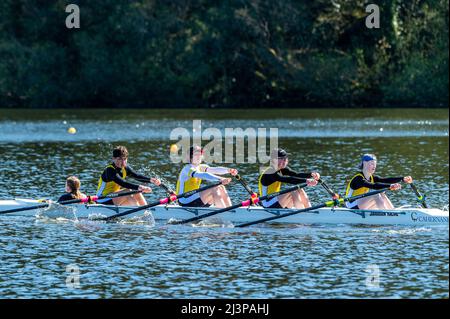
{"x":399,"y":216}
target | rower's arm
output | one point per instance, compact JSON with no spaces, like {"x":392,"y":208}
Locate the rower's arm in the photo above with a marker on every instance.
{"x":389,"y":180}
{"x":359,"y":182}
{"x":289,"y":172}
{"x":112,"y":175}
{"x":140,"y":178}
{"x":205,"y":176}
{"x":217,"y":170}
{"x":268,"y":179}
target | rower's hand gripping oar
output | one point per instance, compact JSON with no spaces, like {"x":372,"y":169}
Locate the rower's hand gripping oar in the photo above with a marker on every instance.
{"x":86,"y":200}
{"x":242,"y":204}
{"x":329,"y":190}
{"x":247,"y":188}
{"x":163,"y":201}
{"x":331,"y":203}
{"x":420,"y":197}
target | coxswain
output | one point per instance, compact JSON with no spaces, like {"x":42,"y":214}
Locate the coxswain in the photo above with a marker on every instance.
{"x":73,"y":185}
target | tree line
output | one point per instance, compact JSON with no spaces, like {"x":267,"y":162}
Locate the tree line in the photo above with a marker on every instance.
{"x":236,"y":53}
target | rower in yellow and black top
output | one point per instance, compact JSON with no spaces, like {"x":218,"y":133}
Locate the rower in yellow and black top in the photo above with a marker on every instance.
{"x":192,"y":176}
{"x":113,"y":180}
{"x":272,"y":178}
{"x":365,"y":181}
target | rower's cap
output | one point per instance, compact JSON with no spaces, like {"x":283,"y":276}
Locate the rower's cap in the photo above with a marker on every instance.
{"x":278,"y":153}
{"x":368,"y":157}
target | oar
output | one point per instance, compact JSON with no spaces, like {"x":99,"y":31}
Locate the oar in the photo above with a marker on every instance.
{"x":420,"y":197}
{"x":167,"y":189}
{"x":72,"y":201}
{"x":247,"y":188}
{"x":331,"y":203}
{"x":162,"y":201}
{"x":329,"y":190}
{"x":243,"y":204}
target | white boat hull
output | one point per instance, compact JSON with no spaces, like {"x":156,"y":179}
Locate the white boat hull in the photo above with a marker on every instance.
{"x":399,"y":216}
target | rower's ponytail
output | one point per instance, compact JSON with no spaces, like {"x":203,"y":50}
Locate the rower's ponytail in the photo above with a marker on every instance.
{"x":74,"y":183}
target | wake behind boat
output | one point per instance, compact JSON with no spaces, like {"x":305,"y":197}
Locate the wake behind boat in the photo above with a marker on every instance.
{"x":328,"y":215}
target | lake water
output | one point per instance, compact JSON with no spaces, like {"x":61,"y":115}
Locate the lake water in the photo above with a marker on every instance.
{"x":143,"y":260}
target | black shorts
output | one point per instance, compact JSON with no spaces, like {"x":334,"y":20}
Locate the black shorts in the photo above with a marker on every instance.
{"x":276,"y":205}
{"x":108,"y":202}
{"x":195,"y":203}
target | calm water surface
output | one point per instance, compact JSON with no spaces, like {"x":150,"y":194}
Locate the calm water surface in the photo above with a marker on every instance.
{"x":147,"y":260}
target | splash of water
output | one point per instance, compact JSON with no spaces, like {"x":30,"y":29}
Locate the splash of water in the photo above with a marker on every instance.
{"x":146,"y":218}
{"x":213,"y":222}
{"x":87,"y":225}
{"x":57,"y":211}
{"x":156,"y":174}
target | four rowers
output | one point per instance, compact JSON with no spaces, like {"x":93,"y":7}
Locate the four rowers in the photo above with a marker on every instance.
{"x":115,"y":178}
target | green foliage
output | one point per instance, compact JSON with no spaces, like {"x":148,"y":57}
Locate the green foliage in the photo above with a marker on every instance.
{"x":246,"y":53}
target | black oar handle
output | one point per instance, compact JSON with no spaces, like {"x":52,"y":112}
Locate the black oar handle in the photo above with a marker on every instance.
{"x":245,"y":185}
{"x":328,"y":189}
{"x":420,"y":197}
{"x":167,"y":188}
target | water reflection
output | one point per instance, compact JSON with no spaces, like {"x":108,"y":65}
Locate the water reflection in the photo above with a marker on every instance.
{"x":144,"y":259}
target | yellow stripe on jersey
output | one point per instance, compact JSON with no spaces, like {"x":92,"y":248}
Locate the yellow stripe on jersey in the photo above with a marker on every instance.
{"x":266,"y":190}
{"x":105,"y":188}
{"x":354,"y":192}
{"x":186,"y":182}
